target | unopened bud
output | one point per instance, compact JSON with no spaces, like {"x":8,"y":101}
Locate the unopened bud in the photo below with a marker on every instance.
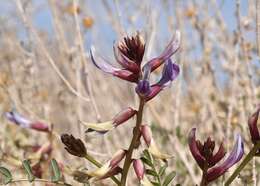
{"x":74,"y":146}
{"x":123,"y":116}
{"x":139,"y":168}
{"x":40,"y":127}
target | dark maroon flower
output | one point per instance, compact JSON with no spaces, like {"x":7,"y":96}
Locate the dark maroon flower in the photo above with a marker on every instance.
{"x":133,"y":49}
{"x":252,"y":123}
{"x":129,"y":55}
{"x":207,"y":159}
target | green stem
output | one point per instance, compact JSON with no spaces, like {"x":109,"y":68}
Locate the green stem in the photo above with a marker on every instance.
{"x":41,"y":180}
{"x":132,"y":146}
{"x":95,"y":162}
{"x":248,"y":157}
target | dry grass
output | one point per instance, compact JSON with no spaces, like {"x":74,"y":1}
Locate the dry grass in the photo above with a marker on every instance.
{"x":45,"y":72}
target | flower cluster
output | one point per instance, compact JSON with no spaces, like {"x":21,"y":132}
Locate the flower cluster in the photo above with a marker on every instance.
{"x":207,"y":159}
{"x":129,"y":55}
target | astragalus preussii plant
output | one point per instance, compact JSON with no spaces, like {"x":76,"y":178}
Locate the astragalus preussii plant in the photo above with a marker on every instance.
{"x":150,"y":167}
{"x":129,"y":55}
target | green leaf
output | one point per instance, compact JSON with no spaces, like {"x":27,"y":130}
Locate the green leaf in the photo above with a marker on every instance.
{"x":7,"y":175}
{"x":147,"y":155}
{"x":169,"y":178}
{"x":147,"y":162}
{"x":28,"y":170}
{"x":162,"y":170}
{"x":56,"y":171}
{"x":151,"y":172}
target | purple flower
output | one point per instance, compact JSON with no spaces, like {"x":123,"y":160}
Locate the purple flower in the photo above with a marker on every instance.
{"x":252,"y":123}
{"x":207,"y":159}
{"x":170,"y":72}
{"x":129,"y":55}
{"x":24,"y":122}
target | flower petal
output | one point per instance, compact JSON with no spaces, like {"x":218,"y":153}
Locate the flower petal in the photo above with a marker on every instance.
{"x":105,"y":66}
{"x":23,"y":122}
{"x":155,"y":89}
{"x":194,"y":148}
{"x":117,"y":157}
{"x":18,"y":119}
{"x":100,"y":172}
{"x":114,"y":171}
{"x":218,"y":156}
{"x":154,"y":150}
{"x":143,"y":87}
{"x":125,"y":62}
{"x":252,"y":124}
{"x":236,"y":154}
{"x":170,"y":72}
{"x":170,"y":49}
{"x":99,"y":127}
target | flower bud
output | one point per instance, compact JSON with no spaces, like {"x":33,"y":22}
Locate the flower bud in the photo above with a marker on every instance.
{"x":139,"y":168}
{"x":147,"y":134}
{"x":40,"y":127}
{"x":74,"y":146}
{"x":123,"y":116}
{"x":104,"y":127}
{"x":24,"y":122}
{"x":152,"y":147}
{"x":117,"y":157}
{"x":252,"y":123}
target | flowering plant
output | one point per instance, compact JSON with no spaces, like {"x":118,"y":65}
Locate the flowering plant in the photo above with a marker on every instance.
{"x":129,"y":56}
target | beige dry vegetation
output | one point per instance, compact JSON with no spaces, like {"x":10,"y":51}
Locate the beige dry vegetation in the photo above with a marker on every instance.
{"x":48,"y":76}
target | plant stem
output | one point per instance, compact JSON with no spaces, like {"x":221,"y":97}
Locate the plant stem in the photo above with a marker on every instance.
{"x":248,"y":157}
{"x":204,"y":176}
{"x":95,"y":162}
{"x":132,"y":146}
{"x":203,"y":179}
{"x":41,"y":180}
{"x":92,"y":160}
